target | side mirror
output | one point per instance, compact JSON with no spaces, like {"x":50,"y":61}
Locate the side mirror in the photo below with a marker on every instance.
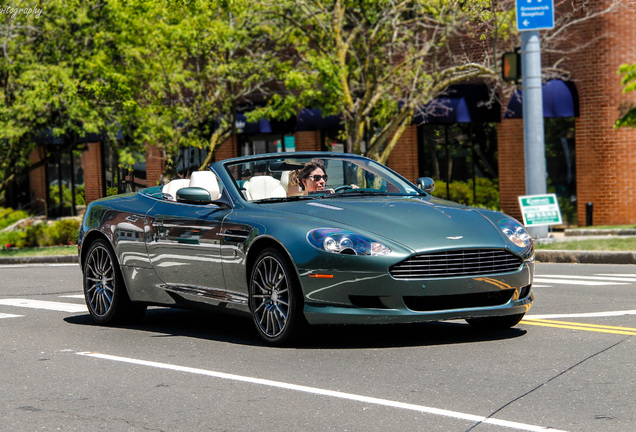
{"x":193,"y":195}
{"x":427,"y":184}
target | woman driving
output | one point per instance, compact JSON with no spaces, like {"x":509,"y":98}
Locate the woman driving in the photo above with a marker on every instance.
{"x":312,"y":177}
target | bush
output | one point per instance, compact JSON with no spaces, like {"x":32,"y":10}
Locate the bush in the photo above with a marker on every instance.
{"x":61,"y":232}
{"x":9,"y":216}
{"x":13,"y":239}
{"x":486,"y":192}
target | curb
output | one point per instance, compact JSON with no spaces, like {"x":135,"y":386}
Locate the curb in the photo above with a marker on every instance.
{"x":51,"y":259}
{"x":585,"y":257}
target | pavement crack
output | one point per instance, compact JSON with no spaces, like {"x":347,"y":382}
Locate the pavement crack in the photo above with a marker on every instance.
{"x":560,"y":374}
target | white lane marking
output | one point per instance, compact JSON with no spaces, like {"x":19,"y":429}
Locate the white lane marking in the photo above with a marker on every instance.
{"x":574,"y":281}
{"x":628,"y":275}
{"x":616,"y":278}
{"x":3,"y":315}
{"x":584,"y":315}
{"x":76,"y":296}
{"x":46,"y":305}
{"x":323,"y":392}
{"x":5,"y":266}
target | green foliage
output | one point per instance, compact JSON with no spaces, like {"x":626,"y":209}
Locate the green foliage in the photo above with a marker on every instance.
{"x":61,"y":232}
{"x":175,"y":73}
{"x":486,"y":192}
{"x":628,"y":118}
{"x":44,"y":61}
{"x":372,"y":63}
{"x":67,"y":196}
{"x":9,"y":216}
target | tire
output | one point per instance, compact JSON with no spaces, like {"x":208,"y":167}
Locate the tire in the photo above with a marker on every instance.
{"x":275,"y":299}
{"x":104,"y":289}
{"x":495,"y":323}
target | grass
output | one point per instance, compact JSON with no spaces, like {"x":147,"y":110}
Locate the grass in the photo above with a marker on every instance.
{"x":601,"y":227}
{"x":620,"y":244}
{"x":38,"y":251}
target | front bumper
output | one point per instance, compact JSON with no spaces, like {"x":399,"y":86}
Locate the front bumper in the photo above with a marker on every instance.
{"x":365,"y":297}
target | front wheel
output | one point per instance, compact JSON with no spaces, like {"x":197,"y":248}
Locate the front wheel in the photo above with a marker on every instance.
{"x":495,"y":323}
{"x":104,"y":289}
{"x":275,"y":298}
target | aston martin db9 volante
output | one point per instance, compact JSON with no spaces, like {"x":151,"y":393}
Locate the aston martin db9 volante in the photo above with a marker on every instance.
{"x":298,"y":239}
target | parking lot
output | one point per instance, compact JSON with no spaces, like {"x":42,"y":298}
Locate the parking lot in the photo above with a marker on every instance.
{"x":568,"y":366}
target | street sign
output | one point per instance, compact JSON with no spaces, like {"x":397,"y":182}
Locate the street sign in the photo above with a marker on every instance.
{"x":540,"y":210}
{"x":535,"y":14}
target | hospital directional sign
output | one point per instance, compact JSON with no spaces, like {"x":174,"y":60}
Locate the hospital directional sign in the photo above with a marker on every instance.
{"x":540,"y":210}
{"x":535,"y":14}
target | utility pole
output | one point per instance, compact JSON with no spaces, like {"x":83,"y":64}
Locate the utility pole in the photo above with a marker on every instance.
{"x":533,"y":131}
{"x":533,"y":15}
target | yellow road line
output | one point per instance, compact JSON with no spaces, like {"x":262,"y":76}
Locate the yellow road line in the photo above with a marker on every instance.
{"x":581,"y":326}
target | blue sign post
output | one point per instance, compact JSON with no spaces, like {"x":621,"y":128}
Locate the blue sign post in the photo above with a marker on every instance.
{"x":535,"y":14}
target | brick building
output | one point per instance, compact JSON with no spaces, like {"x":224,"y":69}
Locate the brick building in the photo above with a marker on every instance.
{"x":603,"y":159}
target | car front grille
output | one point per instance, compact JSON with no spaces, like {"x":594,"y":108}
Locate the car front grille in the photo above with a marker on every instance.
{"x":463,"y":301}
{"x":453,"y":263}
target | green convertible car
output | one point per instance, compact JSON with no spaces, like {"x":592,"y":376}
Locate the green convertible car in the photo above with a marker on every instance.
{"x":297,"y":239}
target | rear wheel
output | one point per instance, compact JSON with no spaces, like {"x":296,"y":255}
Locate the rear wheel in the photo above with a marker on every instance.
{"x":275,"y":298}
{"x":104,"y":289}
{"x":495,"y":323}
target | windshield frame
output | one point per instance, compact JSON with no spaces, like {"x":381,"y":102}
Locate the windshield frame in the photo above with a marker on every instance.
{"x":230,"y":168}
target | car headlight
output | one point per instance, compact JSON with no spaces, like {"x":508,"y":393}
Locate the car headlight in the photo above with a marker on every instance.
{"x":516,"y":232}
{"x":345,"y":242}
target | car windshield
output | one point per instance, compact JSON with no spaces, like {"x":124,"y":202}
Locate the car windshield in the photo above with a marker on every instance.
{"x":286,"y":178}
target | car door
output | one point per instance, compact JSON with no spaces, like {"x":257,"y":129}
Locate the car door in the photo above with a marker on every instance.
{"x":184,"y":246}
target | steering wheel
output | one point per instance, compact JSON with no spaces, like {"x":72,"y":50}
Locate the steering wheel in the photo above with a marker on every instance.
{"x":342,"y":188}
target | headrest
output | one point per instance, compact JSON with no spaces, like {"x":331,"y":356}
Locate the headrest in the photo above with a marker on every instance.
{"x":206,"y":180}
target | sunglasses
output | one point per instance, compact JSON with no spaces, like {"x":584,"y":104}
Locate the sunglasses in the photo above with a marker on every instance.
{"x":317,"y":177}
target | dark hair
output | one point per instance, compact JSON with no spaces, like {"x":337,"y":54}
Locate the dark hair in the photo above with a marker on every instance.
{"x":297,"y":177}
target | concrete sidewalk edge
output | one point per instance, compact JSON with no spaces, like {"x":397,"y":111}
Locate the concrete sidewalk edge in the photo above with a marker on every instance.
{"x":51,"y":259}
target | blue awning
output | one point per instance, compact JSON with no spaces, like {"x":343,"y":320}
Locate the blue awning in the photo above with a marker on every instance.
{"x":262,"y":126}
{"x":560,"y":99}
{"x":311,"y":119}
{"x":462,"y":103}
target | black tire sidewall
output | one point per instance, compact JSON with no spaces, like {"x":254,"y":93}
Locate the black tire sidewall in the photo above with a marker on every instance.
{"x":120,"y":297}
{"x":295,"y":318}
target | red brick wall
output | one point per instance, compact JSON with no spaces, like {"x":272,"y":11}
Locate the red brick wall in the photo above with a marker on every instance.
{"x":511,"y":160}
{"x":404,"y":157}
{"x":155,"y":165}
{"x":227,"y":150}
{"x":605,"y":157}
{"x":308,"y":141}
{"x":93,"y":178}
{"x":37,"y":180}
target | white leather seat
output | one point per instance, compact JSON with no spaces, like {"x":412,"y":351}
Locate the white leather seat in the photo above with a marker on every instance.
{"x":206,"y":180}
{"x":290,"y":189}
{"x":262,"y":187}
{"x":173,"y":186}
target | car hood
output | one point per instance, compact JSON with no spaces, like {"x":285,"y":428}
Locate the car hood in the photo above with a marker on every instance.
{"x":417,"y":223}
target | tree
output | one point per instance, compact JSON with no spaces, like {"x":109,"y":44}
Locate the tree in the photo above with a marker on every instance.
{"x":41,"y":70}
{"x":628,"y":118}
{"x":376,"y":63}
{"x":175,"y":73}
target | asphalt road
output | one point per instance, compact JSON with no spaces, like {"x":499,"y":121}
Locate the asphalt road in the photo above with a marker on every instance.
{"x":569,"y":366}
